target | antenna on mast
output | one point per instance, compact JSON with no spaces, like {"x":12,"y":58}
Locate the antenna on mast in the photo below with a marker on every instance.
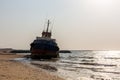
{"x":48,"y":23}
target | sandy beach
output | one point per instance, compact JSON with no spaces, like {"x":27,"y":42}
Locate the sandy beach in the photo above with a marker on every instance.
{"x":13,"y":70}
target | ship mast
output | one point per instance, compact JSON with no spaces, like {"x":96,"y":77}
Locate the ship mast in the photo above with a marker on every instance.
{"x":48,"y":23}
{"x":47,"y":34}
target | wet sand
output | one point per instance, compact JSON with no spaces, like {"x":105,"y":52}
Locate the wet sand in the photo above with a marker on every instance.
{"x":14,"y":70}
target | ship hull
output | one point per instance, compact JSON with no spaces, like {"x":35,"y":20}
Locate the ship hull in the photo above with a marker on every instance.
{"x":43,"y":54}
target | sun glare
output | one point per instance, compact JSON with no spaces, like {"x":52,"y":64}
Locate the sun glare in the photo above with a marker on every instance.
{"x":113,"y":53}
{"x":107,"y":54}
{"x":101,"y":2}
{"x":104,"y":2}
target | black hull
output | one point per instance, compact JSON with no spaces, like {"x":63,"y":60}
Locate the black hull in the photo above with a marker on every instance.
{"x":44,"y":54}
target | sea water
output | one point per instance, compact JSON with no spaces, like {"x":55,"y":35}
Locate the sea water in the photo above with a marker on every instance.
{"x":84,"y":65}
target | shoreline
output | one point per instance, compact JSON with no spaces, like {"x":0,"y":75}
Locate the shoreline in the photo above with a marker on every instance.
{"x":15,"y":70}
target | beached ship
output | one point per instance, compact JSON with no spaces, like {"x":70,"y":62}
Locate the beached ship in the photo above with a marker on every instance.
{"x":44,"y":47}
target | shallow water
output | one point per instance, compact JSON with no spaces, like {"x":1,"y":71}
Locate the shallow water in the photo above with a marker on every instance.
{"x":84,"y":65}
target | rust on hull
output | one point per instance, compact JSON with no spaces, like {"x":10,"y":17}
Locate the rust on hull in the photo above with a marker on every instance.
{"x":44,"y":54}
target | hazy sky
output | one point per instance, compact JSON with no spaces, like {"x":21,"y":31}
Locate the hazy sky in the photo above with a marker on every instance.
{"x":77,"y":24}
